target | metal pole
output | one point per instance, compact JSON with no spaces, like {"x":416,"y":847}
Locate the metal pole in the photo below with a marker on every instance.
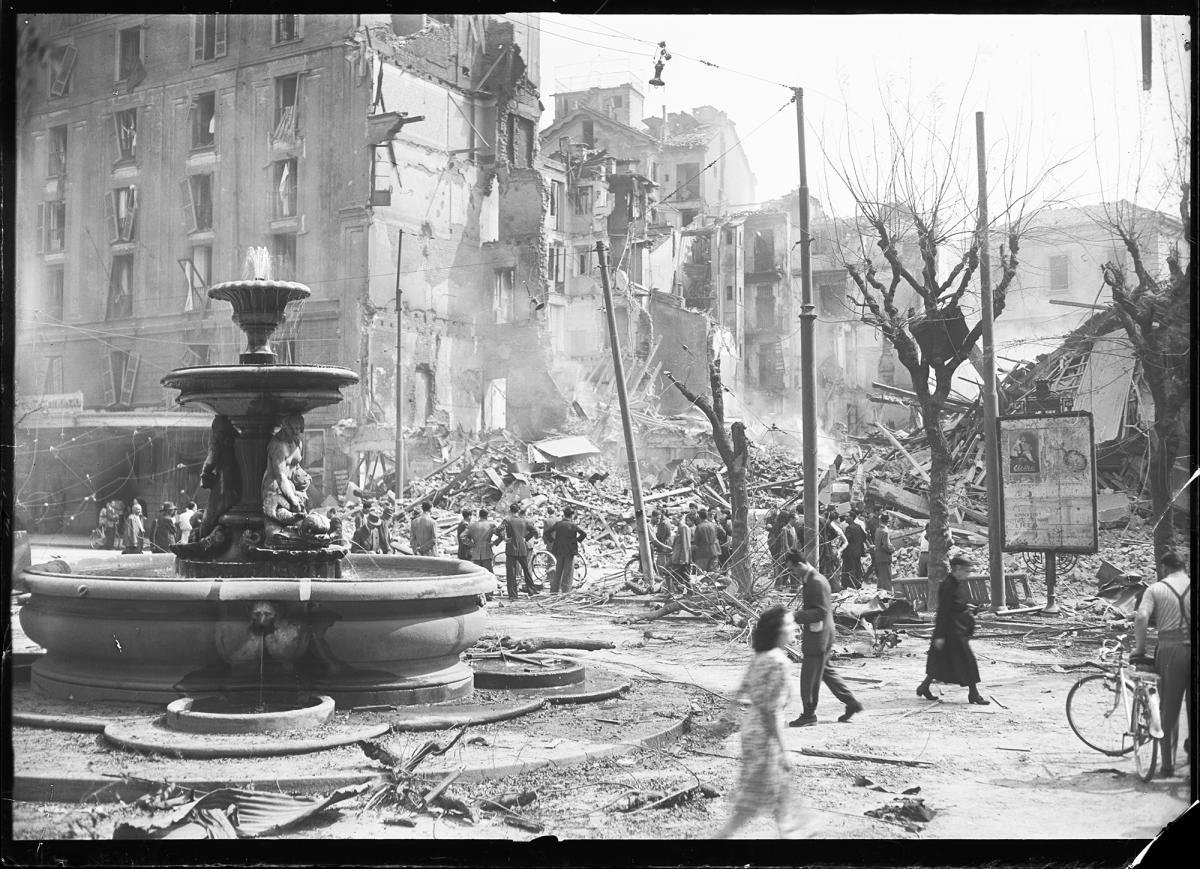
{"x":1051,"y":607}
{"x":399,"y":380}
{"x":635,"y":476}
{"x":991,"y":428}
{"x":808,"y":380}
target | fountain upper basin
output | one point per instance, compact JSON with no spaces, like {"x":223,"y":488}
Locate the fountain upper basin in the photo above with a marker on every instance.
{"x":260,"y":389}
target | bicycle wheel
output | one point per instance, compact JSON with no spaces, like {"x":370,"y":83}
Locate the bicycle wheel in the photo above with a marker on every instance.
{"x":1145,"y":746}
{"x":1095,"y":713}
{"x":542,"y":563}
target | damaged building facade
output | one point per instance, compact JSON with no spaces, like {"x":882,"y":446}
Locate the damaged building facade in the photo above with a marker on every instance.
{"x":155,"y":150}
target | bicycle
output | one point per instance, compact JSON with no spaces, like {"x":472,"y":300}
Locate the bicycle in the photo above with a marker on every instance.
{"x":1116,"y":712}
{"x":543,"y":563}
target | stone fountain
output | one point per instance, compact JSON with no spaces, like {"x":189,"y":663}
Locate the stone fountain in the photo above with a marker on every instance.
{"x":268,"y":600}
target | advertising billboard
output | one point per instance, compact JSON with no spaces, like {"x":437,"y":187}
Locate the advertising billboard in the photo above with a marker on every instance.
{"x":1048,"y":483}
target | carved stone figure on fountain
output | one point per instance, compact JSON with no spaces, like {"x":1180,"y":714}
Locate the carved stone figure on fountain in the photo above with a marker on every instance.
{"x":219,"y":475}
{"x":282,"y":514}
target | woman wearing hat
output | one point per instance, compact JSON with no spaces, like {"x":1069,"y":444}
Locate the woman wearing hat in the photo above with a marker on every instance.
{"x":950,"y":658}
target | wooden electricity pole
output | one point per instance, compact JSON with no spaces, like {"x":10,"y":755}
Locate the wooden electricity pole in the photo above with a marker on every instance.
{"x":808,"y":380}
{"x":399,"y":380}
{"x":991,"y":428}
{"x":635,"y":476}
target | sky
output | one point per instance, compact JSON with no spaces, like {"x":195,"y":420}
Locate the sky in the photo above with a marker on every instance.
{"x":1057,"y":91}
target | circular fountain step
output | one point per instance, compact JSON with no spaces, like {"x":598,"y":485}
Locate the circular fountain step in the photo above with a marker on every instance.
{"x":248,"y":713}
{"x":507,"y":674}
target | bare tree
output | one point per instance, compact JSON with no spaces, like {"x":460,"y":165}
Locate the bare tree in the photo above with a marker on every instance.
{"x":921,"y":187}
{"x":735,"y":453}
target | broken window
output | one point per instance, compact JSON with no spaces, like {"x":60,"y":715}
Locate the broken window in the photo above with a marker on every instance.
{"x":120,"y":288}
{"x":686,"y":216}
{"x":129,"y":53}
{"x":120,"y":369}
{"x":556,"y":203}
{"x":831,"y":298}
{"x":52,"y":226}
{"x":1060,"y":278}
{"x":197,"y":275}
{"x":584,"y":257}
{"x":286,"y":28}
{"x":503,"y":296}
{"x":887,"y":366}
{"x":583,"y":200}
{"x":58,"y":152}
{"x":209,"y":42}
{"x":556,"y":271}
{"x":196,"y":354}
{"x":589,"y":134}
{"x":62,"y":63}
{"x":55,"y":285}
{"x":382,"y":170}
{"x":688,"y":176}
{"x":283,"y":198}
{"x":120,"y":208}
{"x":125,"y":131}
{"x":204,"y":121}
{"x":520,"y":142}
{"x":287,"y":124}
{"x":729,"y":292}
{"x":764,"y":250}
{"x":283,"y":256}
{"x":764,"y":306}
{"x":197,"y":202}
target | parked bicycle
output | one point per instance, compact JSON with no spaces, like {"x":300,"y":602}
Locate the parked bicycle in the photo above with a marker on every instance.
{"x":1116,"y":712}
{"x":543,"y":562}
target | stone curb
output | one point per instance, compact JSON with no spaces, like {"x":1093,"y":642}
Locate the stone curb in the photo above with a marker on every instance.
{"x":49,"y":788}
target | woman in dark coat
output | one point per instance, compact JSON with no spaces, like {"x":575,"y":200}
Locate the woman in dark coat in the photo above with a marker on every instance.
{"x":950,"y":657}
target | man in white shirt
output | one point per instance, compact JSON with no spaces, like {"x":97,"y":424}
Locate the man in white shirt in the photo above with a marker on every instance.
{"x":1169,"y":601}
{"x":183,"y":522}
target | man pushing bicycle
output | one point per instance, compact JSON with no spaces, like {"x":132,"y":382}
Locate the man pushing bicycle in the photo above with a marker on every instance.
{"x":1169,"y":602}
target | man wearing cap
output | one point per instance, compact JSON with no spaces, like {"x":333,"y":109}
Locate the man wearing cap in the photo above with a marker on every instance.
{"x":856,"y":548}
{"x":1169,"y":603}
{"x":162,"y":529}
{"x":815,"y":619}
{"x":463,"y":537}
{"x":516,"y":531}
{"x":372,"y":536}
{"x":423,"y":532}
{"x":564,"y":538}
{"x":950,"y":658}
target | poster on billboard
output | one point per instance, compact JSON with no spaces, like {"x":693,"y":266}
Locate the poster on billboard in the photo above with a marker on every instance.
{"x":1048,"y":483}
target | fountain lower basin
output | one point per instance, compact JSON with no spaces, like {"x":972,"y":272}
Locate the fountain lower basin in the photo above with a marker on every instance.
{"x":391,"y":631}
{"x":245,"y":714}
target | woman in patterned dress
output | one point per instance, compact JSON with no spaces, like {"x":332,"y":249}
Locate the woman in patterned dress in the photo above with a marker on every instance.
{"x":763,"y":786}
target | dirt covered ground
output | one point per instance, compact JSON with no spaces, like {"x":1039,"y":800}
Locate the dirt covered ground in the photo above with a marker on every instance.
{"x":1017,"y":756}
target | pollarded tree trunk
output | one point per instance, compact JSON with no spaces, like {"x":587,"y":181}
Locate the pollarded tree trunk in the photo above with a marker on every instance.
{"x":939,"y":487}
{"x":740,"y":546}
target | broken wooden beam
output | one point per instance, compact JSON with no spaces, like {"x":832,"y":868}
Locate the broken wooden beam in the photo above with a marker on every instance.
{"x":845,"y":755}
{"x":891,"y":437}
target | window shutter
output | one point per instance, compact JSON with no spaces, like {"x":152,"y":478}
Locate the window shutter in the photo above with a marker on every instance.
{"x":130,"y":378}
{"x":40,"y":372}
{"x":63,"y":77}
{"x":110,"y":217}
{"x":116,"y":139}
{"x":106,"y":377}
{"x":41,"y":228}
{"x":189,"y":208}
{"x":198,"y":37}
{"x":219,"y":38}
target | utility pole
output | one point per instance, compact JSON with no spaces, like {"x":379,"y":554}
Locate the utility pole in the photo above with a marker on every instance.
{"x":399,"y":380}
{"x":635,"y":476}
{"x":808,"y":379}
{"x":991,"y":428}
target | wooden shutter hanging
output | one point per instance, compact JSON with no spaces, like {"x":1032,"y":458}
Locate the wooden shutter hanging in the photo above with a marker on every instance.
{"x":189,"y":206}
{"x":106,"y":377}
{"x":219,"y":36}
{"x":41,"y":228}
{"x":130,"y":379}
{"x":63,"y":76}
{"x":110,"y":218}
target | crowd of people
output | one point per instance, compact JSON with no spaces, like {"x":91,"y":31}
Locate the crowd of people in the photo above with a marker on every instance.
{"x":131,"y":530}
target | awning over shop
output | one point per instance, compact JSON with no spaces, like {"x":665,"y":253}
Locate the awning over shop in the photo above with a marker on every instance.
{"x":130,"y":419}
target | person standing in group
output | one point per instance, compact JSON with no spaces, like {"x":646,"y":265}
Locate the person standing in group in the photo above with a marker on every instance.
{"x":162,"y":529}
{"x":1169,"y":603}
{"x":110,"y":518}
{"x":681,"y":556}
{"x":423,"y":532}
{"x":883,"y":554}
{"x":463,"y":537}
{"x":660,"y":541}
{"x":480,"y":535}
{"x":183,"y":522}
{"x":706,"y":549}
{"x":783,"y":541}
{"x":763,"y":783}
{"x":833,"y":541}
{"x":950,"y":658}
{"x":517,"y":532}
{"x":923,"y":553}
{"x":372,"y":536}
{"x":815,"y":618}
{"x":134,"y":533}
{"x":856,"y":548}
{"x":565,"y":537}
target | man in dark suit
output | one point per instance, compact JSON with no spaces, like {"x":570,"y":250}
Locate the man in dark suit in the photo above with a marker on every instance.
{"x":564,"y":538}
{"x":852,"y":555}
{"x":516,"y":531}
{"x":816,"y":643}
